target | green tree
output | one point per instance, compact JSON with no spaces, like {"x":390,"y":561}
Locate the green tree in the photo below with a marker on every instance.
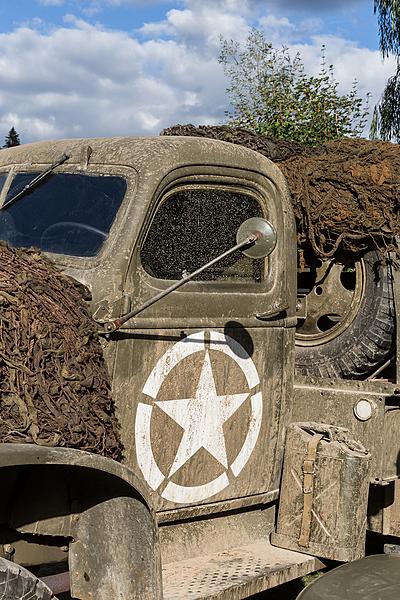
{"x":270,"y":93}
{"x":386,"y":116}
{"x":12,"y":139}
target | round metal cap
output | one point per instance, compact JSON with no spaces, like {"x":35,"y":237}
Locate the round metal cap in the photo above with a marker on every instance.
{"x":266,"y":240}
{"x":363,"y":410}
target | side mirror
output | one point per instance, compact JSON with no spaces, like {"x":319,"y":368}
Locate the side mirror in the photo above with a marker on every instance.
{"x":266,"y":237}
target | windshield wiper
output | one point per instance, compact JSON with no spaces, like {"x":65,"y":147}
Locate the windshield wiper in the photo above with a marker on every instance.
{"x":36,"y":180}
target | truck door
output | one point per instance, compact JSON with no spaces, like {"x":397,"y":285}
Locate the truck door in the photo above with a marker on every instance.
{"x":202,"y":378}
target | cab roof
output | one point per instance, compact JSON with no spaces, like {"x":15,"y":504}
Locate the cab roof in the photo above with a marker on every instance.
{"x":138,"y":152}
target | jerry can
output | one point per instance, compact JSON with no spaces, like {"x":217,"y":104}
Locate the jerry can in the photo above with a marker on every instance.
{"x":324,"y":493}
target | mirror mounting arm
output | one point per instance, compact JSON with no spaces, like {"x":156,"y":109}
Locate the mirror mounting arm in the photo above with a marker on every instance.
{"x":117,"y":324}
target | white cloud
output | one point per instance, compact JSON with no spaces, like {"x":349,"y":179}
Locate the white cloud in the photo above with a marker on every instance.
{"x":200,"y":28}
{"x":51,"y":2}
{"x":280,"y":30}
{"x":34,"y":23}
{"x":84,"y":81}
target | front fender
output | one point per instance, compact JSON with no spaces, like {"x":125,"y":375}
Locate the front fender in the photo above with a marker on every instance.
{"x":99,"y":505}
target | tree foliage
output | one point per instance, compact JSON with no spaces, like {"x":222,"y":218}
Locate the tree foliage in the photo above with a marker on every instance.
{"x":385,"y":123}
{"x":388,"y":12}
{"x":12,"y":139}
{"x":386,"y":116}
{"x":270,"y":93}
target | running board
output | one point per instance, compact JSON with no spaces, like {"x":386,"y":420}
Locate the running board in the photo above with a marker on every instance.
{"x":235,"y":573}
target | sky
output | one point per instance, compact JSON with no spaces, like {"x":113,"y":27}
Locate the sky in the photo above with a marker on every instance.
{"x":83,"y":68}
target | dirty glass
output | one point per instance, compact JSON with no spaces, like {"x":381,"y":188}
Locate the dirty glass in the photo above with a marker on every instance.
{"x":192,"y":227}
{"x":67,"y":213}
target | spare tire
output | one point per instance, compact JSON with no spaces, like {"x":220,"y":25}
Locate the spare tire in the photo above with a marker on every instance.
{"x":349,"y":328}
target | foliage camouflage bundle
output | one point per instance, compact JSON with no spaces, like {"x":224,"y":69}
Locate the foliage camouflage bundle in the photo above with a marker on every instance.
{"x":54,"y":388}
{"x":274,"y":149}
{"x":345,"y":193}
{"x":270,"y":93}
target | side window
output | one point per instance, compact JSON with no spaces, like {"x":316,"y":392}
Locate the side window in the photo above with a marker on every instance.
{"x":193,"y":226}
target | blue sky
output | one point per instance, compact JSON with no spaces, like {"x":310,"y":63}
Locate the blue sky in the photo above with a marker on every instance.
{"x":71,"y":68}
{"x":128,"y":16}
{"x":352,"y":20}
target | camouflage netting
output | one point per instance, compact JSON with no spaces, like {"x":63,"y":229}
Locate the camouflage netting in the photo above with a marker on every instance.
{"x":345,"y":194}
{"x":54,"y":388}
{"x":276,"y":150}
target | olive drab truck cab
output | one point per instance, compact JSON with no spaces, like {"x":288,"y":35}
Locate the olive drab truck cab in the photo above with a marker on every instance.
{"x":233,"y":481}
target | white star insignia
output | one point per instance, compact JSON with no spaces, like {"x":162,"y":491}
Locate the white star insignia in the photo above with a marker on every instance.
{"x":202,"y":418}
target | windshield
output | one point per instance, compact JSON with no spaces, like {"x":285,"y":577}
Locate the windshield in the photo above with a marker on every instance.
{"x":68,"y":214}
{"x":3,"y":178}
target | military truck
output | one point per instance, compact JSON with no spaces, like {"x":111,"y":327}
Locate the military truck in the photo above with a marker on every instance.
{"x":236,"y":477}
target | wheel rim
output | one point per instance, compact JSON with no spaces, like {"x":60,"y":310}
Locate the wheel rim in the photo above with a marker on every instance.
{"x":334,"y":292}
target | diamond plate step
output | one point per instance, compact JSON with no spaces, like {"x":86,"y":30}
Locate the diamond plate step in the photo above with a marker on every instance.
{"x":236,"y":573}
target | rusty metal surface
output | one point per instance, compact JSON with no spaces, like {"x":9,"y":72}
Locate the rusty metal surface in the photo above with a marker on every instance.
{"x":234,"y":574}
